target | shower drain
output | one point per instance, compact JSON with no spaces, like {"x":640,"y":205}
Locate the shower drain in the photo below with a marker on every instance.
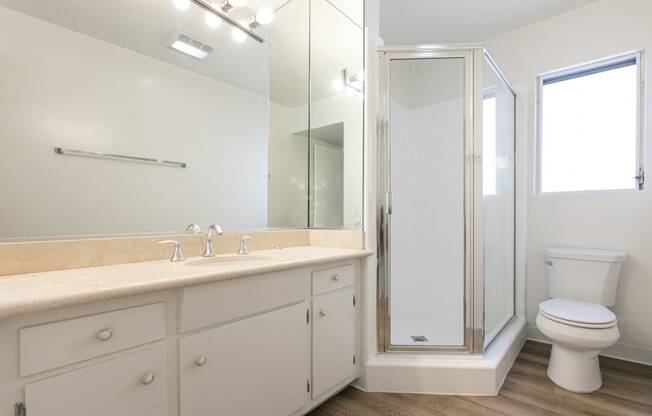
{"x":419,"y":338}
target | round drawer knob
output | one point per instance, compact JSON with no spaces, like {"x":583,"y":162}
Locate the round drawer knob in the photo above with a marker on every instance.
{"x":201,"y":360}
{"x":323,"y":312}
{"x":147,"y":379}
{"x":336,"y":277}
{"x":105,"y":334}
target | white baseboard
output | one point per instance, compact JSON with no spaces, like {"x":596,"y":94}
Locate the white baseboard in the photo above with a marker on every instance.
{"x":621,"y":351}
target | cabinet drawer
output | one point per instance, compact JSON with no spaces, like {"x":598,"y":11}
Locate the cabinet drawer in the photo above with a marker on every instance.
{"x":219,"y":302}
{"x":134,"y":384}
{"x":57,"y":344}
{"x":333,"y":278}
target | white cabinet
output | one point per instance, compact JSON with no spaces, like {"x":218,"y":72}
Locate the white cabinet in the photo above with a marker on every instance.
{"x":333,"y":340}
{"x":253,"y":367}
{"x":134,"y":384}
{"x":272,"y":344}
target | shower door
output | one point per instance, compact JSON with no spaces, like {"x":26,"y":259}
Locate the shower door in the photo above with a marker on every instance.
{"x":426,"y":279}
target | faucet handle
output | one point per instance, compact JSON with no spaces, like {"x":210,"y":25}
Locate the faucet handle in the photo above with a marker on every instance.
{"x":193,"y":228}
{"x":177,"y":256}
{"x":243,"y":245}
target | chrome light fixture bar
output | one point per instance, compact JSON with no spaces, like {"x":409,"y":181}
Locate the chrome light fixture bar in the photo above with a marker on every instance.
{"x":224,"y":16}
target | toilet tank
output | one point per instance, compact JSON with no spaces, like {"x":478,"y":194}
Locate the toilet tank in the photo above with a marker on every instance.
{"x":582,"y":274}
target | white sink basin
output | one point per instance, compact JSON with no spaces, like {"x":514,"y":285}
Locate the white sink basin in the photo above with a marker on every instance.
{"x":229,"y":260}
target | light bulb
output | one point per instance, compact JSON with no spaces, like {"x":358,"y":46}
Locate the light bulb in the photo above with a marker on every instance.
{"x":338,"y":85}
{"x":265,"y":15}
{"x":212,"y":20}
{"x":238,"y":35}
{"x":181,"y":4}
{"x":237,"y":3}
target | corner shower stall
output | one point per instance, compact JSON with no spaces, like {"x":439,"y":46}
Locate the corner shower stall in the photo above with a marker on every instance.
{"x":446,"y":211}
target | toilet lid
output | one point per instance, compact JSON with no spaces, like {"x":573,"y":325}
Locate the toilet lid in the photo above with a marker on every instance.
{"x":580,"y":314}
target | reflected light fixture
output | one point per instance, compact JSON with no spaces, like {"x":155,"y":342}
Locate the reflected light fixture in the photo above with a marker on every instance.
{"x":264,"y":16}
{"x":211,"y":20}
{"x":182,"y":5}
{"x":220,"y":10}
{"x":238,"y":35}
{"x":352,"y":83}
{"x":190,"y":46}
{"x":229,"y":5}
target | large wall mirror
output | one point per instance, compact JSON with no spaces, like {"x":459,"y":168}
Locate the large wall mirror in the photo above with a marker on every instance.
{"x":132,"y":117}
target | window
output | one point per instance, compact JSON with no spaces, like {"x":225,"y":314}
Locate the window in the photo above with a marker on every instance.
{"x":589,"y":132}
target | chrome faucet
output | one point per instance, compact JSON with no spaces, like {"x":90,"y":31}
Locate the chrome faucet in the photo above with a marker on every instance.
{"x":209,"y":250}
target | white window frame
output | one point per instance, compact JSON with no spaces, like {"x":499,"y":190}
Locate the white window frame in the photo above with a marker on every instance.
{"x":585,"y":69}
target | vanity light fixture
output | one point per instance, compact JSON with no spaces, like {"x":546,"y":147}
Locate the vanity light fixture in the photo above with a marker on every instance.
{"x":229,"y":5}
{"x":182,"y":5}
{"x":263,"y":16}
{"x":238,"y":35}
{"x":349,"y":82}
{"x":211,"y":20}
{"x":190,"y":46}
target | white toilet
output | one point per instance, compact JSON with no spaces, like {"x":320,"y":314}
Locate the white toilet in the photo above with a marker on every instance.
{"x":581,"y":283}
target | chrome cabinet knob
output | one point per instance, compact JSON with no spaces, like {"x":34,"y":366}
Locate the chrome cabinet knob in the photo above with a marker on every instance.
{"x":147,"y":379}
{"x":336,"y":278}
{"x":323,"y":312}
{"x":201,"y":361}
{"x":105,"y":334}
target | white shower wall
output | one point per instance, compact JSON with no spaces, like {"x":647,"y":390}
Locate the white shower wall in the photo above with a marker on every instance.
{"x":427,"y":221}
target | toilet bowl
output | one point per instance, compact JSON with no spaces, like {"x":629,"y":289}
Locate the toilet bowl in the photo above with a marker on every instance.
{"x":579,"y":331}
{"x":582,"y":283}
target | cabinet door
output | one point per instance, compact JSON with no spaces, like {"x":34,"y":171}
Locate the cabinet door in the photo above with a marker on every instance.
{"x":255,"y":367}
{"x":333,"y":341}
{"x":133,"y":384}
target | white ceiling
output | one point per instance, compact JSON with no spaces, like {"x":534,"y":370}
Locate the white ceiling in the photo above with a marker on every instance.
{"x":407,"y":22}
{"x":146,"y":26}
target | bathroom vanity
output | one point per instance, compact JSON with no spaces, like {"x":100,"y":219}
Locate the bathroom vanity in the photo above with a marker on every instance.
{"x":272,"y":333}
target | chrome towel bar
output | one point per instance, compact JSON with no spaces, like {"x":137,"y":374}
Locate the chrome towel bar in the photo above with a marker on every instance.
{"x":110,"y":156}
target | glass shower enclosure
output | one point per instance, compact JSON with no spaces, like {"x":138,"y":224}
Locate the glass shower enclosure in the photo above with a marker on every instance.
{"x":446,"y":206}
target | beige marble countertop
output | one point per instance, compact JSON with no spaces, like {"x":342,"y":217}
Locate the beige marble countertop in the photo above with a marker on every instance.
{"x":29,"y":293}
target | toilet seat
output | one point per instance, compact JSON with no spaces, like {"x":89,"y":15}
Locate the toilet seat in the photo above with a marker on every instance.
{"x":578,"y":314}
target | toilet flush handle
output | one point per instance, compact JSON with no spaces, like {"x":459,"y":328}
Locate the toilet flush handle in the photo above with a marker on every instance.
{"x":548,"y":262}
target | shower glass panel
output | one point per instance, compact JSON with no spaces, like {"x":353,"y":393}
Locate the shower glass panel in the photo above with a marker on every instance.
{"x":427,"y":130}
{"x":498,"y":200}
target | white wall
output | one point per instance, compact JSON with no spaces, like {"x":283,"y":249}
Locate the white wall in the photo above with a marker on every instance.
{"x":59,"y":87}
{"x":619,"y":220}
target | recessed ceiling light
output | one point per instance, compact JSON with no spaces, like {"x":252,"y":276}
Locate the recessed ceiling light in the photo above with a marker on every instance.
{"x":181,"y":4}
{"x":190,"y":46}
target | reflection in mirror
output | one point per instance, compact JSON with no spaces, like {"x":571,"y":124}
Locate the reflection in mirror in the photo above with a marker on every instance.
{"x":100,"y":77}
{"x":288,"y":125}
{"x":316,"y":131}
{"x":166,"y":114}
{"x":336,"y":109}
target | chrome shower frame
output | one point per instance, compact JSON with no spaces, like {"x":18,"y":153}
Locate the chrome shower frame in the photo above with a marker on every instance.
{"x":474,"y":59}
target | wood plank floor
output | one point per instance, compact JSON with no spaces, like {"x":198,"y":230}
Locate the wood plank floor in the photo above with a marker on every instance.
{"x":626,"y":390}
